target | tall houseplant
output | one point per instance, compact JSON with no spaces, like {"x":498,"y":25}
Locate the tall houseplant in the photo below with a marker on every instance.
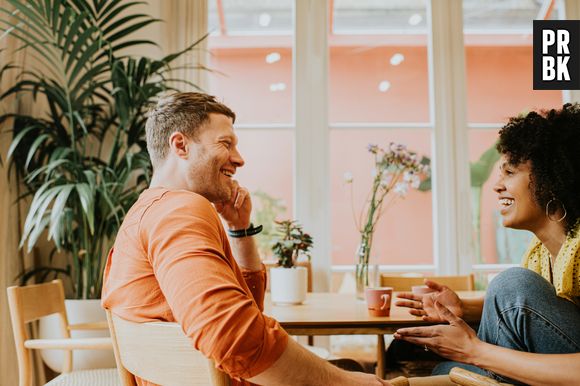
{"x":84,"y":160}
{"x":289,"y":282}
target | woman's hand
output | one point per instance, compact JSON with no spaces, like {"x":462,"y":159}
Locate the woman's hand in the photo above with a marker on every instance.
{"x":455,"y":341}
{"x":423,"y":305}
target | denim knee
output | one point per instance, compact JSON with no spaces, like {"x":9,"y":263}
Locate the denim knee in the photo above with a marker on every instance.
{"x":519,"y":283}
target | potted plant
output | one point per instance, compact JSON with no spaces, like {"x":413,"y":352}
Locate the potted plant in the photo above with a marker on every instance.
{"x":288,"y":282}
{"x":83,"y":160}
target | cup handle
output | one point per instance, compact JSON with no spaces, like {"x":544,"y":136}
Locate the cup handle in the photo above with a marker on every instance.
{"x":385,"y":298}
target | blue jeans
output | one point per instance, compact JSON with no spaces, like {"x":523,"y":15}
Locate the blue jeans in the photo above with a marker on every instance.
{"x":523,"y":313}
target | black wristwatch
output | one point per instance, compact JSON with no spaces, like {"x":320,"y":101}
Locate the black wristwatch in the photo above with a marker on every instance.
{"x":250,"y":231}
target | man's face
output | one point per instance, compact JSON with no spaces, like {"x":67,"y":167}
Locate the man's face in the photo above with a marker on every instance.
{"x":213,"y":159}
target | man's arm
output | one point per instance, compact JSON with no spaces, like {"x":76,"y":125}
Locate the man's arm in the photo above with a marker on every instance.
{"x":298,"y":366}
{"x":236,"y":213}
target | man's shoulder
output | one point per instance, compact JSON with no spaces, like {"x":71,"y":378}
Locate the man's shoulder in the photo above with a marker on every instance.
{"x":162,"y":203}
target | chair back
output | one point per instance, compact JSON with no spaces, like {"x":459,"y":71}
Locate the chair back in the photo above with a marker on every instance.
{"x":159,"y":352}
{"x":28,"y":304}
{"x":402,"y":283}
{"x":463,"y":377}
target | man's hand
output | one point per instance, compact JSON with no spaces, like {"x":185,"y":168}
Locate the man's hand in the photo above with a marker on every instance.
{"x":236,"y":212}
{"x":424,"y":305}
{"x":456,"y":341}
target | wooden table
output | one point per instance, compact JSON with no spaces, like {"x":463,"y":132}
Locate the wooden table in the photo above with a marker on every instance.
{"x":326,"y":313}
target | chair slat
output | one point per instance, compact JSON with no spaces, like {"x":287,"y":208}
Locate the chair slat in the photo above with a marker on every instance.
{"x":403,"y":283}
{"x":144,"y":348}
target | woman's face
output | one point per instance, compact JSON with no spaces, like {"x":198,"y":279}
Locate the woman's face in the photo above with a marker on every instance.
{"x":517,"y":205}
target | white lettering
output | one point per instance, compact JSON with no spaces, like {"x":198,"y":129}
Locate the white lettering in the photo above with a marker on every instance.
{"x":563,"y":68}
{"x":548,"y":39}
{"x":548,"y":71}
{"x":563,"y":40}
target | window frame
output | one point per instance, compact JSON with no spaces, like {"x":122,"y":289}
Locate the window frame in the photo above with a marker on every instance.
{"x":452,"y":253}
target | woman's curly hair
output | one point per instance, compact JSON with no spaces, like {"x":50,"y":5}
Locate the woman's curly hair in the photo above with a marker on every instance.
{"x":551,"y":141}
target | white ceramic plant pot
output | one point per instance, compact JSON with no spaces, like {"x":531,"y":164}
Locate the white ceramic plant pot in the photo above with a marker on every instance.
{"x":78,"y":311}
{"x":288,"y":285}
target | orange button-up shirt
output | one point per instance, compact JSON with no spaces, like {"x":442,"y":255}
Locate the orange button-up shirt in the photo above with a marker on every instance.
{"x":172,"y":261}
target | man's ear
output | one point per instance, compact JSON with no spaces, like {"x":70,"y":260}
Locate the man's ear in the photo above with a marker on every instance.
{"x":179,"y":145}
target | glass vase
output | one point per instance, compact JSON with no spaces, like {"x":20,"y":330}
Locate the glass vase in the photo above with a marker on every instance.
{"x":365,"y":273}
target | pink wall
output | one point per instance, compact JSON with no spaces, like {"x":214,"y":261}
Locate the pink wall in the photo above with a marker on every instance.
{"x":499,"y":86}
{"x":355,"y":73}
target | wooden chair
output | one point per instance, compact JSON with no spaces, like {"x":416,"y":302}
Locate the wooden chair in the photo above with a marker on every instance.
{"x":457,"y":376}
{"x":464,"y":377}
{"x":160,"y":352}
{"x":404,"y":283}
{"x":30,"y":303}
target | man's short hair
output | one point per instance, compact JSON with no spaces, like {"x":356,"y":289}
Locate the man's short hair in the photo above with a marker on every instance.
{"x":180,"y":112}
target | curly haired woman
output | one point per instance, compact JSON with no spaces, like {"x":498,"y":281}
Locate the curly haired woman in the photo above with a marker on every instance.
{"x":530,"y":317}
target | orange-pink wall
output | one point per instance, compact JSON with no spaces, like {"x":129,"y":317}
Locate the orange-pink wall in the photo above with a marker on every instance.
{"x":499,"y":86}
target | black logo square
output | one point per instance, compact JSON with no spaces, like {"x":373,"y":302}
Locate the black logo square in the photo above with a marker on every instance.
{"x":556,"y":54}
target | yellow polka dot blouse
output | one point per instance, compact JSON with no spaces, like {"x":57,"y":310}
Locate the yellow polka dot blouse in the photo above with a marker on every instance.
{"x":565,"y":275}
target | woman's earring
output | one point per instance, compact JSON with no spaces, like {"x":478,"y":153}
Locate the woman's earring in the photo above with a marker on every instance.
{"x":554,"y":199}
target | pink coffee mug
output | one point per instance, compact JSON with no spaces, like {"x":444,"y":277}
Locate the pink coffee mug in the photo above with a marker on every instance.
{"x":421,"y":289}
{"x":379,"y":300}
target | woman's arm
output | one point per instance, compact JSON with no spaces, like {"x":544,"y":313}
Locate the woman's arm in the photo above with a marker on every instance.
{"x":424,"y":305}
{"x":530,"y":368}
{"x":457,"y":341}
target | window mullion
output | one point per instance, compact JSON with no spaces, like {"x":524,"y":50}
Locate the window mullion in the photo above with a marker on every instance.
{"x":451,"y":207}
{"x":311,"y":155}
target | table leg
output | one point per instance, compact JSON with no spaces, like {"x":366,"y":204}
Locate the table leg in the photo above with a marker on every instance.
{"x":381,"y":356}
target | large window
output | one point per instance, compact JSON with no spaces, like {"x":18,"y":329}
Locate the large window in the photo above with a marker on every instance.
{"x":250,"y":46}
{"x":379,"y":74}
{"x":498,"y":52}
{"x":378,"y":93}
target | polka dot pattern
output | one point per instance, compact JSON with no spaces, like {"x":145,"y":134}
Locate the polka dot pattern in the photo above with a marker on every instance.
{"x":565,"y":274}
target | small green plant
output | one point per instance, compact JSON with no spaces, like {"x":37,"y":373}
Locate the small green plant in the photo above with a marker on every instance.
{"x":291,"y":242}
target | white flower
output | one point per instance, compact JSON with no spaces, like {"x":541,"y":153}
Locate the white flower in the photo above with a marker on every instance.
{"x":415,"y":182}
{"x":347,"y":177}
{"x":374,"y":172}
{"x":386,"y":180}
{"x":408,"y":176}
{"x":401,"y":188}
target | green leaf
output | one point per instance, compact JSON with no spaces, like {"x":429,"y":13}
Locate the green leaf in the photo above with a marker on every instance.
{"x":18,"y":138}
{"x":58,"y":206}
{"x":133,"y":28}
{"x":482,"y":168}
{"x":110,"y":12}
{"x":86,"y":196}
{"x":35,"y":233}
{"x":35,"y":145}
{"x":84,"y":39}
{"x":72,"y":33}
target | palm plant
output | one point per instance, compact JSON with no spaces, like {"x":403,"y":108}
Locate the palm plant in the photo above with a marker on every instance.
{"x":84,"y":160}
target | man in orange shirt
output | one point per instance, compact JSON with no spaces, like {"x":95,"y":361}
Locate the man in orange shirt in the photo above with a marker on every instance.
{"x":172,"y":260}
